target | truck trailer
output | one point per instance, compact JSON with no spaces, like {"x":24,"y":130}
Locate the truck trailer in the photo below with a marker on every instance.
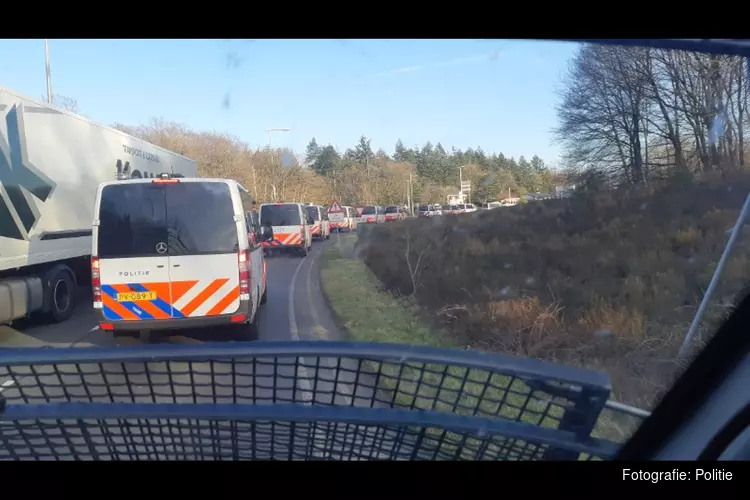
{"x":51,"y":163}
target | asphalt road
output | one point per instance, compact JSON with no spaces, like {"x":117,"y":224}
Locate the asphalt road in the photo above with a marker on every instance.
{"x":295,"y":310}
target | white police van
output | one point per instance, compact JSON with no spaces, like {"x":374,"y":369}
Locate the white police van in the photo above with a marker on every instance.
{"x":176,"y":253}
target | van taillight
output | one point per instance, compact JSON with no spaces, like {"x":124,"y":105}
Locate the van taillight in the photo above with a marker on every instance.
{"x":244,"y":266}
{"x":96,"y":282}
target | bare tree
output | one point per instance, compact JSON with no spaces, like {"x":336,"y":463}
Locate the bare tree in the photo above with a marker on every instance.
{"x":637,"y":114}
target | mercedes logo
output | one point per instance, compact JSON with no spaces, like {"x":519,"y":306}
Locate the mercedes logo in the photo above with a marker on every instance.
{"x":161,"y":247}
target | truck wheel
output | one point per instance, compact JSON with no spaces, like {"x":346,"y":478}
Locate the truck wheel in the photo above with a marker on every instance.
{"x":59,"y":294}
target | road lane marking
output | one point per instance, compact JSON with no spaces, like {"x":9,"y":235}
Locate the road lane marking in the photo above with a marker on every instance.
{"x":303,"y":378}
{"x":6,"y":384}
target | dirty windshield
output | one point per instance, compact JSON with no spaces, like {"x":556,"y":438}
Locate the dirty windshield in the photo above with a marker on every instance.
{"x":560,"y":251}
{"x":279,"y":215}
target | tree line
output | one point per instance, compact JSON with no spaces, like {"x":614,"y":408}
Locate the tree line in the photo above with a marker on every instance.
{"x":359,"y":173}
{"x":633,"y":115}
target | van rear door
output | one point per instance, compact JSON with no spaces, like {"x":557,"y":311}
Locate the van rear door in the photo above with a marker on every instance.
{"x":286,"y":221}
{"x":203,"y":249}
{"x":131,"y":245}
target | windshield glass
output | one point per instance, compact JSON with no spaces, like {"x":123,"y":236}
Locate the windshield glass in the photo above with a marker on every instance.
{"x":280,"y":215}
{"x":313,"y":212}
{"x":621,"y":171}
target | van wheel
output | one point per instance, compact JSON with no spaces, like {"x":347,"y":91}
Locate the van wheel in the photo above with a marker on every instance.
{"x":126,"y":338}
{"x":264,"y":297}
{"x":254,"y":327}
{"x":59,"y":293}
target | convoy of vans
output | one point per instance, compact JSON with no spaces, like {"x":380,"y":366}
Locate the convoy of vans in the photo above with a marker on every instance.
{"x":156,"y":259}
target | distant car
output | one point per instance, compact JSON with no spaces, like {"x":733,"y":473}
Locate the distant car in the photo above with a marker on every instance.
{"x":350,"y":218}
{"x":291,"y":227}
{"x":321,"y":228}
{"x":372,"y":214}
{"x":394,"y":212}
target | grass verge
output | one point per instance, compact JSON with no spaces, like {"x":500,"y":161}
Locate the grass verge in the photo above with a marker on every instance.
{"x":367,"y":312}
{"x":370,"y":314}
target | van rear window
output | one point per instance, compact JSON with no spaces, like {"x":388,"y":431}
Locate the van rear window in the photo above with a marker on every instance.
{"x":280,"y":215}
{"x":192,"y":218}
{"x":368,"y":211}
{"x":313,"y":212}
{"x":391,"y":210}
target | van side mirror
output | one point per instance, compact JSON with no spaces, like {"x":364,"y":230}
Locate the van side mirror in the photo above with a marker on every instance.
{"x":266,"y":233}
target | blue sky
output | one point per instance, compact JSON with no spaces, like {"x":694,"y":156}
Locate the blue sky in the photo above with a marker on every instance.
{"x":496,"y":94}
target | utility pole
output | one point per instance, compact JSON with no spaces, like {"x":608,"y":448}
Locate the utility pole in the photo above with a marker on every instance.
{"x":408,"y":193}
{"x":47,"y":70}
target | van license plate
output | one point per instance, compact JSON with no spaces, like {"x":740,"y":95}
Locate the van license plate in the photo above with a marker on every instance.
{"x":135,"y":296}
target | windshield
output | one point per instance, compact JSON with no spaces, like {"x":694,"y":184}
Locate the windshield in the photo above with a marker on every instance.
{"x":313,"y":212}
{"x":280,"y":215}
{"x":135,"y":218}
{"x":621,"y":170}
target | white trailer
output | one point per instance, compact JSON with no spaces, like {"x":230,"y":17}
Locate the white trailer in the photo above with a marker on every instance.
{"x":51,"y":163}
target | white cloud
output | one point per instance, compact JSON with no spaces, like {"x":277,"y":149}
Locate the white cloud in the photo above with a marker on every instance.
{"x":443,"y":64}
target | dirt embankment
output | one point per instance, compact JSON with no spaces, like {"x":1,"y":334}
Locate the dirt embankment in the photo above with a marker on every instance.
{"x":607,"y":281}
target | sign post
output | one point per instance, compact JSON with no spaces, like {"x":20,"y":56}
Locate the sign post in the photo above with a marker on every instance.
{"x":336,"y":214}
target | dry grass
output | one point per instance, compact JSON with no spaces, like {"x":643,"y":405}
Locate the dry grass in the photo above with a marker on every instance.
{"x":608,"y":281}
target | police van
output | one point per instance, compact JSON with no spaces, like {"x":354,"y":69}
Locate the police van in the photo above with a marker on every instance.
{"x":176,"y":253}
{"x":291,"y":227}
{"x":321,"y":228}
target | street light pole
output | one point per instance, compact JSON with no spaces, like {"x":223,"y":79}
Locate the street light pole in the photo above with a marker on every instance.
{"x":272,"y":130}
{"x":47,"y":69}
{"x":270,"y":139}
